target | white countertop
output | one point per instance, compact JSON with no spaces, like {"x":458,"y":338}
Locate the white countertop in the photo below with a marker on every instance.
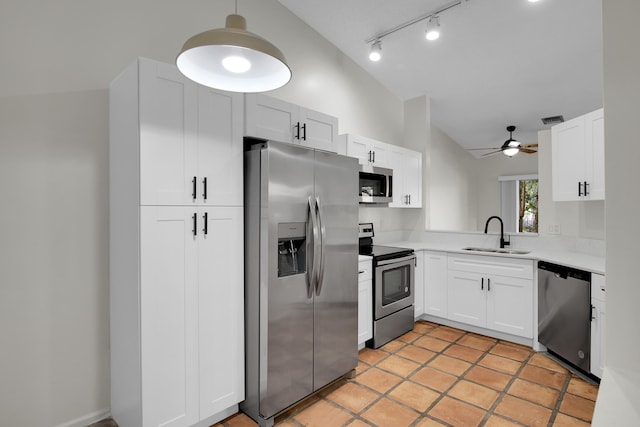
{"x":579,"y":260}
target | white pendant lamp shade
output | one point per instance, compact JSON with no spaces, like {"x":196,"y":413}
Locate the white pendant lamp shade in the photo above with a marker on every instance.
{"x":510,"y":148}
{"x":233,"y":59}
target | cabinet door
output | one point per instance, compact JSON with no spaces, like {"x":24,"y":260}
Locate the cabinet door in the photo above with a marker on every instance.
{"x":168,"y":321}
{"x":413,"y":178}
{"x":365,"y":302}
{"x":568,"y":158}
{"x":319,"y":131}
{"x":220,"y":308}
{"x":168,"y":137}
{"x":419,"y":286}
{"x":510,"y":305}
{"x":380,"y":152}
{"x":269,"y":118}
{"x":435,"y":284}
{"x":466,"y":297}
{"x":360,"y":148}
{"x":395,"y":158}
{"x":594,"y":136}
{"x":219,"y":154}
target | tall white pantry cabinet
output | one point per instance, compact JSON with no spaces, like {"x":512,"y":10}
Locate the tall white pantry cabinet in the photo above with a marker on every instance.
{"x":177,"y":352}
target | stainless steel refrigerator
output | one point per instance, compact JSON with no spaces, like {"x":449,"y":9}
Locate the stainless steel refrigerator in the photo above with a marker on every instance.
{"x":301,"y":260}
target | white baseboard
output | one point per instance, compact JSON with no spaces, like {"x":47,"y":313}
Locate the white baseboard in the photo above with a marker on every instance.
{"x":87,"y":419}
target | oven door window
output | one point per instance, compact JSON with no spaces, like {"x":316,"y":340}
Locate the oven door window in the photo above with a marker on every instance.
{"x":396,"y":284}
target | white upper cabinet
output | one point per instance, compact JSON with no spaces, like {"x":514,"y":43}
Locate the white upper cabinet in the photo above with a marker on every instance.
{"x":190,"y":140}
{"x":368,"y":151}
{"x":273,"y":119}
{"x":407,"y":177}
{"x":578,"y":158}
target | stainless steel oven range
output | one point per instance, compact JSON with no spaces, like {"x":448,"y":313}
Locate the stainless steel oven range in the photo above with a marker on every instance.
{"x":393,"y":288}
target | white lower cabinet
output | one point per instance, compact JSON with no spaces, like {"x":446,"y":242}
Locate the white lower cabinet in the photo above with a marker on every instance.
{"x":435,"y":283}
{"x":191,"y":271}
{"x":491,"y":292}
{"x":365,"y":301}
{"x":418,"y":302}
{"x":598,"y":321}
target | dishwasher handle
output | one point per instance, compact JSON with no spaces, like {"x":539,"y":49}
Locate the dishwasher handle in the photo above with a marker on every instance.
{"x":564,"y":272}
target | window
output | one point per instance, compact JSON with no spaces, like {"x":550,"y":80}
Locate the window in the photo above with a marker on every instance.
{"x":519,"y":203}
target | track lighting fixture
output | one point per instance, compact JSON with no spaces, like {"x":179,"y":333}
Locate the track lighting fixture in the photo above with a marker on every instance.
{"x":433,"y":28}
{"x":376,"y":51}
{"x":432,"y":33}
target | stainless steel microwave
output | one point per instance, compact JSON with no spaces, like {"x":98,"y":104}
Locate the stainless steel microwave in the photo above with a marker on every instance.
{"x":376,"y":184}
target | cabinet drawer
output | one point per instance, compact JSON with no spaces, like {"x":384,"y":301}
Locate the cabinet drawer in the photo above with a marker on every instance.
{"x":365,"y":270}
{"x":500,"y":266}
{"x":598,"y":287}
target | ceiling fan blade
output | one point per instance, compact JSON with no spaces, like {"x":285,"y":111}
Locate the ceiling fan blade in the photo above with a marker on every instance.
{"x":492,"y":148}
{"x":528,"y":151}
{"x":529,"y":145}
{"x":492,"y":153}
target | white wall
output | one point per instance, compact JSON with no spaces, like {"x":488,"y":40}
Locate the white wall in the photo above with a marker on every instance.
{"x":54,"y":362}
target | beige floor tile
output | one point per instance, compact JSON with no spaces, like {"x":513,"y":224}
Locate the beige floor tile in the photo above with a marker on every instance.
{"x":378,"y":380}
{"x":428,"y":422}
{"x":577,"y":407}
{"x":543,"y":361}
{"x":496,"y":421}
{"x":473,"y":393}
{"x":499,"y":363}
{"x":431,"y":343}
{"x":434,"y":379}
{"x":422,"y":327}
{"x":581,"y":388}
{"x":240,"y":420}
{"x":285,"y":423}
{"x":543,"y":376}
{"x":393,"y":346}
{"x":322,"y":414}
{"x":535,"y":393}
{"x":563,"y":420}
{"x":415,"y":353}
{"x":416,"y":396}
{"x":371,"y":356}
{"x":450,"y":365}
{"x":488,"y":377}
{"x":446,"y":334}
{"x":524,"y":412}
{"x":468,"y":354}
{"x":361,"y":367}
{"x":478,"y":342}
{"x":358,"y":423}
{"x":457,"y":413}
{"x":398,"y":365}
{"x":409,"y":337}
{"x":511,"y":352}
{"x":353,"y":397}
{"x":386,"y":413}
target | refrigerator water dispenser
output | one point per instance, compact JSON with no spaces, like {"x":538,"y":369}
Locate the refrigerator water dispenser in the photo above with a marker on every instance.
{"x":292,"y":243}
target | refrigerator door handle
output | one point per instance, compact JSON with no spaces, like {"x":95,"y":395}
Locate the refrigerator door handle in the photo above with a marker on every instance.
{"x":322,"y":248}
{"x":311,"y":272}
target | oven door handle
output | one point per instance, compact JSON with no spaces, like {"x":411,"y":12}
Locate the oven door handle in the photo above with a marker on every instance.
{"x":322,"y":253}
{"x":314,"y":235}
{"x":396,"y":260}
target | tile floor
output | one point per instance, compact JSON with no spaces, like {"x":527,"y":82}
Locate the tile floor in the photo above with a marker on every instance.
{"x":440,"y":376}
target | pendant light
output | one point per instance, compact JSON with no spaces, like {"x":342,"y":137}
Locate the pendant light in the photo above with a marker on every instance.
{"x":433,"y":28}
{"x":233,"y":59}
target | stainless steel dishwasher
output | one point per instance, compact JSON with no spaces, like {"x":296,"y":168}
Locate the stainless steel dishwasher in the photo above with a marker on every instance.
{"x":564,"y":313}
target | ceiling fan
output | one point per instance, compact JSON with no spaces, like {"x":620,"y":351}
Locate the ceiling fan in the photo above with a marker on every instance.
{"x":511,"y":147}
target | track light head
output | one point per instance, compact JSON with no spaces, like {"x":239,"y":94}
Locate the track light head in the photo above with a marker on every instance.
{"x":433,"y":28}
{"x":375,"y":54}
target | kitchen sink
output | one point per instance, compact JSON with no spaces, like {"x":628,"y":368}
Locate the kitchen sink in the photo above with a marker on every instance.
{"x":497,"y":250}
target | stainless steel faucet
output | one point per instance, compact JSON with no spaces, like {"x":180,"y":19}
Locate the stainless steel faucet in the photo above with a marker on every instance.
{"x":486,"y":226}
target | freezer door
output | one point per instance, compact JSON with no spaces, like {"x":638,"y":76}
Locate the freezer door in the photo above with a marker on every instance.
{"x":336,"y":296}
{"x":286,"y":309}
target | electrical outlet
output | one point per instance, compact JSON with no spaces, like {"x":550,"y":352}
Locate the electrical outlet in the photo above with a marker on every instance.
{"x":553,"y":229}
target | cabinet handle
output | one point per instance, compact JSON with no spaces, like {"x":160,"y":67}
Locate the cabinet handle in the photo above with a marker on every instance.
{"x":193,"y":192}
{"x":409,"y":199}
{"x":205,"y":218}
{"x":579,"y":189}
{"x":374,"y":156}
{"x":361,"y":271}
{"x":204,"y":184}
{"x":591,"y":315}
{"x":482,"y":283}
{"x":369,"y":156}
{"x":489,"y":285}
{"x":297,"y":131}
{"x":304,"y":132}
{"x":195,"y":224}
{"x":586,"y":193}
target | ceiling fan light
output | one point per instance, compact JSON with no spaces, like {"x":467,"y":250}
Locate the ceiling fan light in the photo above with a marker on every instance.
{"x":511,"y":148}
{"x":375,"y":54}
{"x":233,"y":59}
{"x":433,"y":28}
